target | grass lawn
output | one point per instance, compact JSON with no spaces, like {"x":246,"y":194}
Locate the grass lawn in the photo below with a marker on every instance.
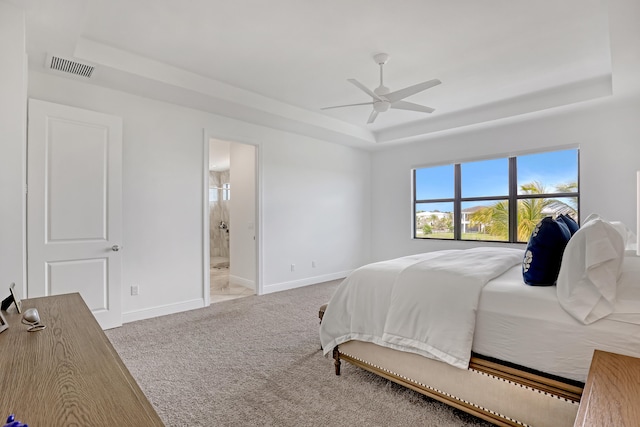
{"x":465,"y":236}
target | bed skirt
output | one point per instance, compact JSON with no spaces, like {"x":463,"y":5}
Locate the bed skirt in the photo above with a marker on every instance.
{"x":502,"y":395}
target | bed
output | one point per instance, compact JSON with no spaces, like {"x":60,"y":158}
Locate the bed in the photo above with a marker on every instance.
{"x":461,"y":326}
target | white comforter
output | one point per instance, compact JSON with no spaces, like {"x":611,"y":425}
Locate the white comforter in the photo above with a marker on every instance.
{"x":424,"y":304}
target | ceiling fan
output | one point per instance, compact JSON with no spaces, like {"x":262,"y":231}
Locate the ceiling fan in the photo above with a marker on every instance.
{"x":383,"y":98}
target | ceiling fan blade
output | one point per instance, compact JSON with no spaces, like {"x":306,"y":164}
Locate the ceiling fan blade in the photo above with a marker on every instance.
{"x":347,"y":105}
{"x":411,"y":90}
{"x":365,"y":89}
{"x":404,"y":105}
{"x":372,"y":116}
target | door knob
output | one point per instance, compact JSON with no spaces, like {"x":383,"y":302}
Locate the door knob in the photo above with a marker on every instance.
{"x":115,"y":248}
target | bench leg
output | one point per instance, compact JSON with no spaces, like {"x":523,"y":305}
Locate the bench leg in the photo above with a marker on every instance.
{"x":336,"y":358}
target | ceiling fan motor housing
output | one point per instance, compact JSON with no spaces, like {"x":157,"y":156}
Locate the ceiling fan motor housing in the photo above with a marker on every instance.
{"x":381,"y":90}
{"x":381,"y":58}
{"x":381,"y":106}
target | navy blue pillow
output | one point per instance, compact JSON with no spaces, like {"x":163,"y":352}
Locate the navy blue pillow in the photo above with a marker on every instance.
{"x":543,"y":255}
{"x":570,"y":223}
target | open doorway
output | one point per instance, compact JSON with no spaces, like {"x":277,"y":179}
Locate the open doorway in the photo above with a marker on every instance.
{"x":232,"y":219}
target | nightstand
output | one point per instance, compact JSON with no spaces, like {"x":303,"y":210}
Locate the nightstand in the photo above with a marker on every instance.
{"x":611,"y":395}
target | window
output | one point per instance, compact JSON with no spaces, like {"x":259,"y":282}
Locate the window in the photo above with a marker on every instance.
{"x":213,"y":194}
{"x":495,"y":200}
{"x":220,"y":193}
{"x":226,"y":191}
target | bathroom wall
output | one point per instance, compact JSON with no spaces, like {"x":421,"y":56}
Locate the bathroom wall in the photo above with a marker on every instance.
{"x":218,"y":212}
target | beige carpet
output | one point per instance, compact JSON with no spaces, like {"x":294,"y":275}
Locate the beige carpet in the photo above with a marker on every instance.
{"x":256,"y":361}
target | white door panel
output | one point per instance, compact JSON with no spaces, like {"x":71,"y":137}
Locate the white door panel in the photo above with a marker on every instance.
{"x":75,"y":149}
{"x":74,"y":206}
{"x":90,"y":275}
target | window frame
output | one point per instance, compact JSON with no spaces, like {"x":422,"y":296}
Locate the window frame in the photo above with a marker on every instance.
{"x":511,"y":198}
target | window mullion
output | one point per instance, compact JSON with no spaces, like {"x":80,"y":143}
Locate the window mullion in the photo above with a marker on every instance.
{"x":457,"y":205}
{"x":513,"y":200}
{"x":415,"y":206}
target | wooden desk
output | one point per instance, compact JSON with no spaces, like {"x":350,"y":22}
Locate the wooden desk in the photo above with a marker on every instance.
{"x":611,"y":395}
{"x":68,"y":373}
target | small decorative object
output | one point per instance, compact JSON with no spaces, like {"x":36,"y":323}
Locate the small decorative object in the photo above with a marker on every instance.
{"x":3,"y":323}
{"x":31,"y":317}
{"x":12,"y":298}
{"x":11,"y":422}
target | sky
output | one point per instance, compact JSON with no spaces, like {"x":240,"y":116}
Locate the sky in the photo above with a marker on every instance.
{"x":490,"y":177}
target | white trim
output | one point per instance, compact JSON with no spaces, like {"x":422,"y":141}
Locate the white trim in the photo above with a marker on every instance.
{"x":162,"y":310}
{"x":284,"y":286}
{"x":206,"y":260}
{"x":259,"y":285}
{"x":25,"y":114}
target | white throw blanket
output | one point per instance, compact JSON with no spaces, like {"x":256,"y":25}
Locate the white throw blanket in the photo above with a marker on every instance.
{"x":424,"y":304}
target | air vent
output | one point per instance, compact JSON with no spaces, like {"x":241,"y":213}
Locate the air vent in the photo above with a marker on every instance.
{"x":69,"y":66}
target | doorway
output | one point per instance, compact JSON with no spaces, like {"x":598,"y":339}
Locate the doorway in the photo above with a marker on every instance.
{"x":232,"y":219}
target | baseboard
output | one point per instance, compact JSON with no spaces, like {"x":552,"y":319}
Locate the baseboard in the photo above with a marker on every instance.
{"x":162,"y":310}
{"x":237,"y":280}
{"x":277,"y":287}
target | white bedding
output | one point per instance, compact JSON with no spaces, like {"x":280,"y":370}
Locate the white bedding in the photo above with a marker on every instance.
{"x":425,"y":304}
{"x":514,"y":322}
{"x":527,"y":326}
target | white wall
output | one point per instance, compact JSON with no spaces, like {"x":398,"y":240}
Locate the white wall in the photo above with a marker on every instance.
{"x":242,"y":215}
{"x":316,"y":205}
{"x":13,"y":87}
{"x":607,"y":132}
{"x":315,"y":197}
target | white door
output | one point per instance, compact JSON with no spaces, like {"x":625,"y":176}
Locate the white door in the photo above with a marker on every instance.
{"x":74,"y":207}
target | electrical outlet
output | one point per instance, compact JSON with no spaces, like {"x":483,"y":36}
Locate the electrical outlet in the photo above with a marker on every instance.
{"x":135,"y":290}
{"x":313,"y":264}
{"x":293,"y":267}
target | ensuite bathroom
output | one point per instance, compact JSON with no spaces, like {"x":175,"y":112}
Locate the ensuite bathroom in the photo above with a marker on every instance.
{"x":219,"y":193}
{"x":219,"y":233}
{"x":227,"y":282}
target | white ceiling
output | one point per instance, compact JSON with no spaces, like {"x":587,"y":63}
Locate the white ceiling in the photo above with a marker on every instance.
{"x":277,"y":62}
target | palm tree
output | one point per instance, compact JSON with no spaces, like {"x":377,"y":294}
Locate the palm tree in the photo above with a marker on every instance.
{"x":571,"y":207}
{"x":530,"y":211}
{"x":494,"y":218}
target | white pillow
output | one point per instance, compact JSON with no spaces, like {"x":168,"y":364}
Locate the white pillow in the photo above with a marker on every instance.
{"x":590,"y":270}
{"x":629,"y":238}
